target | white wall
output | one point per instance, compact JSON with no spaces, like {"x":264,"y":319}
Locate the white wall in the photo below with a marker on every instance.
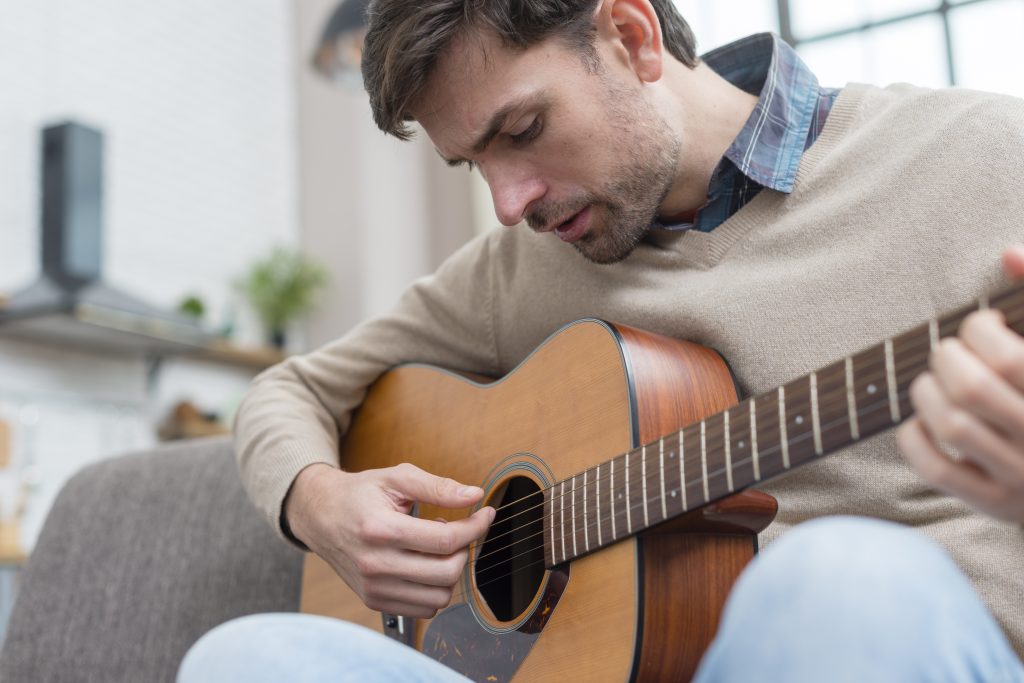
{"x":197,"y":104}
{"x":380,"y":212}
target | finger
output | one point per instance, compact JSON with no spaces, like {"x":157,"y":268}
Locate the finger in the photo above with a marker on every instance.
{"x":959,"y":479}
{"x":420,"y":568}
{"x":442,"y":538}
{"x":394,"y":595}
{"x":423,"y":487}
{"x":945,"y":422}
{"x":985,"y":333}
{"x":1013,"y":262}
{"x":975,"y":388}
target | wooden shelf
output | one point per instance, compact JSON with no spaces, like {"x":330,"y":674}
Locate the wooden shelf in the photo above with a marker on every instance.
{"x":91,"y":328}
{"x":223,"y":351}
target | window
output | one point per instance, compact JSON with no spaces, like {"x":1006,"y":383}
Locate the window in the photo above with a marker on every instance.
{"x":935,"y":43}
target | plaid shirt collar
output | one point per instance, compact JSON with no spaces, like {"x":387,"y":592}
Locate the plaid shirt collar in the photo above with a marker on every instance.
{"x":789,"y":114}
{"x":770,"y":145}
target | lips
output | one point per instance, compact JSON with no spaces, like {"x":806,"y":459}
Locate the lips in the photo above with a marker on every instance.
{"x":575,"y":227}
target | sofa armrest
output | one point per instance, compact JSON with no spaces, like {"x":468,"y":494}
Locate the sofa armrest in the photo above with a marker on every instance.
{"x":139,"y":557}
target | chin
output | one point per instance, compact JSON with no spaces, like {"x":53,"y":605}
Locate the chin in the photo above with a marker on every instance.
{"x":596,"y":251}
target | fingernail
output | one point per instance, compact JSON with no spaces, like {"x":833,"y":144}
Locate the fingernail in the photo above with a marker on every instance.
{"x":467,"y":491}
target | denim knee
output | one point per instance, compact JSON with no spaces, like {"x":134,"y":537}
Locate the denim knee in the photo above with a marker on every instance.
{"x":271,"y":644}
{"x":854,"y":599}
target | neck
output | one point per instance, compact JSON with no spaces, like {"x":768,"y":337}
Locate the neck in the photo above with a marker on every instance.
{"x":707,"y":113}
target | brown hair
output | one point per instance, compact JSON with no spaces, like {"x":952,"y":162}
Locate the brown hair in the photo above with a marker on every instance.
{"x":406,"y":38}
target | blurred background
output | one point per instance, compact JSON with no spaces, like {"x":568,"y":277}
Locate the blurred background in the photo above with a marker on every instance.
{"x":213,"y":202}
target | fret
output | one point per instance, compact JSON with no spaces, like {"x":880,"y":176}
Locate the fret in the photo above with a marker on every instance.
{"x":621,"y":492}
{"x":851,"y":401}
{"x":661,"y":471}
{"x":549,"y":532}
{"x":799,"y":422}
{"x":755,"y":457}
{"x":890,"y":381}
{"x":728,"y":451}
{"x":575,"y":549}
{"x":783,"y":436}
{"x":694,"y":485}
{"x":949,"y":325}
{"x":629,"y":512}
{"x":611,"y":498}
{"x":704,"y":459}
{"x":682,"y":468}
{"x":643,"y":478}
{"x":769,"y":437}
{"x":832,"y":406}
{"x":815,"y":414}
{"x":673,"y":488}
{"x":739,"y":446}
{"x":561,"y":525}
{"x":586,"y":523}
{"x":870,"y":394}
{"x":714,"y":450}
{"x":597,"y":499}
{"x":910,"y":358}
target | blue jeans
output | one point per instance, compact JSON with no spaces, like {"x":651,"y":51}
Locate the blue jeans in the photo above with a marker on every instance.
{"x":837,"y":599}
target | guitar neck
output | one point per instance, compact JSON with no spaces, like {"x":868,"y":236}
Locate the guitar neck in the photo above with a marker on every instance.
{"x":757,"y":439}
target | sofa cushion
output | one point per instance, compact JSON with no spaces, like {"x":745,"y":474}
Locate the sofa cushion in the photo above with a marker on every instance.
{"x":140,"y":556}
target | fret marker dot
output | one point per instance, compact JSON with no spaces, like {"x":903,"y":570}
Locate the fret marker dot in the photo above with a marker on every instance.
{"x":673,"y":494}
{"x":799,"y":419}
{"x":620,"y":495}
{"x":872,"y":389}
{"x":741,"y":444}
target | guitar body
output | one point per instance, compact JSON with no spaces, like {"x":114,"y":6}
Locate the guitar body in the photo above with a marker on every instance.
{"x":644,"y":608}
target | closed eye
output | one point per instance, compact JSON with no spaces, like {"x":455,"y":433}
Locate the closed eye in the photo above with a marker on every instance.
{"x":456,"y":163}
{"x":528,"y":135}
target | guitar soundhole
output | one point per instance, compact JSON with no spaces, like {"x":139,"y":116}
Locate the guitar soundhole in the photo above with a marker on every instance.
{"x":510,"y":564}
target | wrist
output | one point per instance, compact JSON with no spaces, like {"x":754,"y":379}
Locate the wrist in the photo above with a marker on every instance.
{"x":299,"y":500}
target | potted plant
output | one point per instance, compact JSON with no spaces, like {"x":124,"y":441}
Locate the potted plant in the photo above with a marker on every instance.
{"x":282,"y":287}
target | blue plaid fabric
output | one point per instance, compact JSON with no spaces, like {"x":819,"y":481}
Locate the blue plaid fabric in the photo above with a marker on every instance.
{"x":789,"y":115}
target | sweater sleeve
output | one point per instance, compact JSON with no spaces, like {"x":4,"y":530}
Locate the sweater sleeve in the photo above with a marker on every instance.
{"x":295,"y":413}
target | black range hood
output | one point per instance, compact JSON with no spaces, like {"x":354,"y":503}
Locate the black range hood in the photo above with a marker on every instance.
{"x":69,"y":303}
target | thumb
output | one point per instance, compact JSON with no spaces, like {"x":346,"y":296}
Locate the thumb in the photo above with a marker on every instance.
{"x":429,"y":488}
{"x":1013,"y":262}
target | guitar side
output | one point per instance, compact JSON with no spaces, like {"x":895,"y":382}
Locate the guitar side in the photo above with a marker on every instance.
{"x":591,"y":391}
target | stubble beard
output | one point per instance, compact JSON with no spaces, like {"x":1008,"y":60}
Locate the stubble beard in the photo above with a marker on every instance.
{"x":624,"y":210}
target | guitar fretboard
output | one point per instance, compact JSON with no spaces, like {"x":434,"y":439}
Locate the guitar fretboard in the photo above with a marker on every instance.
{"x":755,"y":440}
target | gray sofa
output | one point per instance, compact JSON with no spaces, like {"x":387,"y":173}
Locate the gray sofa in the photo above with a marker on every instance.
{"x":140,"y":556}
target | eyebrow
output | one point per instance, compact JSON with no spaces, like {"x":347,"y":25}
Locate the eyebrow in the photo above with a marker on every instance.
{"x":497,"y":122}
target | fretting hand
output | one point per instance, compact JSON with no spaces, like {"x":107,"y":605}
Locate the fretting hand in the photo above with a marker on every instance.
{"x":360,"y":524}
{"x":972,"y":398}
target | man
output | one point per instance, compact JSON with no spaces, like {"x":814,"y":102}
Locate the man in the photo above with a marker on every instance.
{"x":728,"y":200}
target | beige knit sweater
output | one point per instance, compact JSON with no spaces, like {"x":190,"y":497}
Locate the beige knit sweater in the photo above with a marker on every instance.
{"x":900,"y":211}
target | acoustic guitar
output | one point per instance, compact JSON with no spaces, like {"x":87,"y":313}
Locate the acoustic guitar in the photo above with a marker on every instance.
{"x":619,"y":463}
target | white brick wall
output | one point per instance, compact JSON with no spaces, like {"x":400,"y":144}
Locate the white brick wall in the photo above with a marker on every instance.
{"x":196,"y":101}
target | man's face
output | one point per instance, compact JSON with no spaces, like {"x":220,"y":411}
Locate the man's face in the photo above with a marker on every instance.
{"x":566,"y":149}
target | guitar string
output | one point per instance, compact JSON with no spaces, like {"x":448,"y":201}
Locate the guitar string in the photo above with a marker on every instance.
{"x":718,"y":434}
{"x":711,"y":475}
{"x":872,"y":407}
{"x":838,"y":385}
{"x":874,"y":372}
{"x":470,"y":565}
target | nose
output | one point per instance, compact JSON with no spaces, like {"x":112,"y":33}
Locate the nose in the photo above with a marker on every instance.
{"x":513,"y":190}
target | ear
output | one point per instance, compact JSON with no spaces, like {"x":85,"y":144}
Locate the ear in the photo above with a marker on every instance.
{"x":633,"y":28}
